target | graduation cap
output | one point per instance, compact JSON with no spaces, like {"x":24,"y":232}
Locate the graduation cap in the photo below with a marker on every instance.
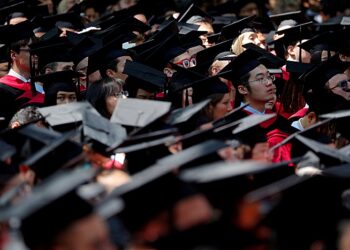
{"x":83,"y":46}
{"x":319,"y":75}
{"x":56,"y":52}
{"x":15,"y":33}
{"x":144,"y":154}
{"x":156,"y":180}
{"x":329,"y":157}
{"x":194,"y":11}
{"x":243,"y":64}
{"x":27,"y":9}
{"x":66,"y":20}
{"x":164,"y":52}
{"x":271,"y":59}
{"x":220,"y":21}
{"x":50,"y":201}
{"x":194,"y":153}
{"x":182,"y":115}
{"x":206,"y":57}
{"x":234,"y":29}
{"x":104,"y":133}
{"x":297,"y":16}
{"x":143,"y":77}
{"x":296,"y":33}
{"x":319,"y":43}
{"x":58,"y":81}
{"x":65,"y":113}
{"x":138,"y":113}
{"x":224,"y":170}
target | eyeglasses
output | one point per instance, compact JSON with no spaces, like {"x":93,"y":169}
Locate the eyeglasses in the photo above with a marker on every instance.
{"x":122,"y":94}
{"x":186,"y":63}
{"x":265,"y":80}
{"x":344,"y":85}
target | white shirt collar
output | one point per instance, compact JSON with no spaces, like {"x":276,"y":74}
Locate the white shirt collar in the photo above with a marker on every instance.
{"x":15,"y":74}
{"x":252,"y":110}
{"x":297,"y":124}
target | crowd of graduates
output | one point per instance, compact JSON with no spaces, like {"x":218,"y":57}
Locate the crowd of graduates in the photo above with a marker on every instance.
{"x":139,"y":124}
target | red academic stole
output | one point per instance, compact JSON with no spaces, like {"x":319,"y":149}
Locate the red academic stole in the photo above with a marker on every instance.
{"x":14,"y":82}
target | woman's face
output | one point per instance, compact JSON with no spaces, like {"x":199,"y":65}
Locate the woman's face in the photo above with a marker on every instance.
{"x":222,"y":107}
{"x":64,"y":97}
{"x":252,"y":37}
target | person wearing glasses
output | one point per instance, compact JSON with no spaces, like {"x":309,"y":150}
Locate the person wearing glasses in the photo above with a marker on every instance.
{"x":16,"y":82}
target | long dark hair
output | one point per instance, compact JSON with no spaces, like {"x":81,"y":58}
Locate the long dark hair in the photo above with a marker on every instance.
{"x":98,"y":92}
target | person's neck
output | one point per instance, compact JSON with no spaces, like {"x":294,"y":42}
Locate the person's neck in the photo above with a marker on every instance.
{"x":23,"y":73}
{"x":259,"y":106}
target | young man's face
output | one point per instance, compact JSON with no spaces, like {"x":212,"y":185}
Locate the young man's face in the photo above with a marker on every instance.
{"x":22,"y":59}
{"x":261,"y":88}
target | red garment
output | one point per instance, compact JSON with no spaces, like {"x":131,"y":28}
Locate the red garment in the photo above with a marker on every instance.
{"x":15,"y":83}
{"x":299,"y":114}
{"x":283,"y":153}
{"x":274,"y":137}
{"x":30,"y":100}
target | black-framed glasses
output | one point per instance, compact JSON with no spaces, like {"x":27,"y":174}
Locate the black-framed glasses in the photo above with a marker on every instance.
{"x":344,"y":85}
{"x":265,"y":80}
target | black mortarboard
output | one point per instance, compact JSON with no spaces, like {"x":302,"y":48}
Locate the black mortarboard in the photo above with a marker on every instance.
{"x":182,"y":115}
{"x":15,"y":33}
{"x":268,"y":59}
{"x":194,"y":11}
{"x":297,"y":67}
{"x":56,"y":52}
{"x":144,"y":77}
{"x":328,"y":156}
{"x":67,"y":20}
{"x":234,"y":29}
{"x":224,"y":170}
{"x":220,"y":21}
{"x":61,"y":77}
{"x":83,"y":46}
{"x":297,"y":16}
{"x":27,"y":9}
{"x":340,"y":41}
{"x":296,"y":33}
{"x":138,"y":113}
{"x":104,"y":133}
{"x":164,"y":52}
{"x":147,"y":189}
{"x":65,"y":113}
{"x":50,"y":201}
{"x":319,"y":75}
{"x":263,"y":24}
{"x":145,"y":154}
{"x":193,"y":154}
{"x":243,"y":64}
{"x":205,"y":58}
{"x":319,"y":43}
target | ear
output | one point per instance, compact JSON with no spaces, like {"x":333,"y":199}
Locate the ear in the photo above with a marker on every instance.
{"x":13,"y":55}
{"x":168,"y":72}
{"x":15,"y":125}
{"x":214,"y":70}
{"x":311,"y":118}
{"x":110,"y":73}
{"x":242,"y":90}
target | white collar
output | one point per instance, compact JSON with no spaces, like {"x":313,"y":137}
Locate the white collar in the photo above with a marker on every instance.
{"x":297,"y":124}
{"x":252,"y":110}
{"x":15,"y":74}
